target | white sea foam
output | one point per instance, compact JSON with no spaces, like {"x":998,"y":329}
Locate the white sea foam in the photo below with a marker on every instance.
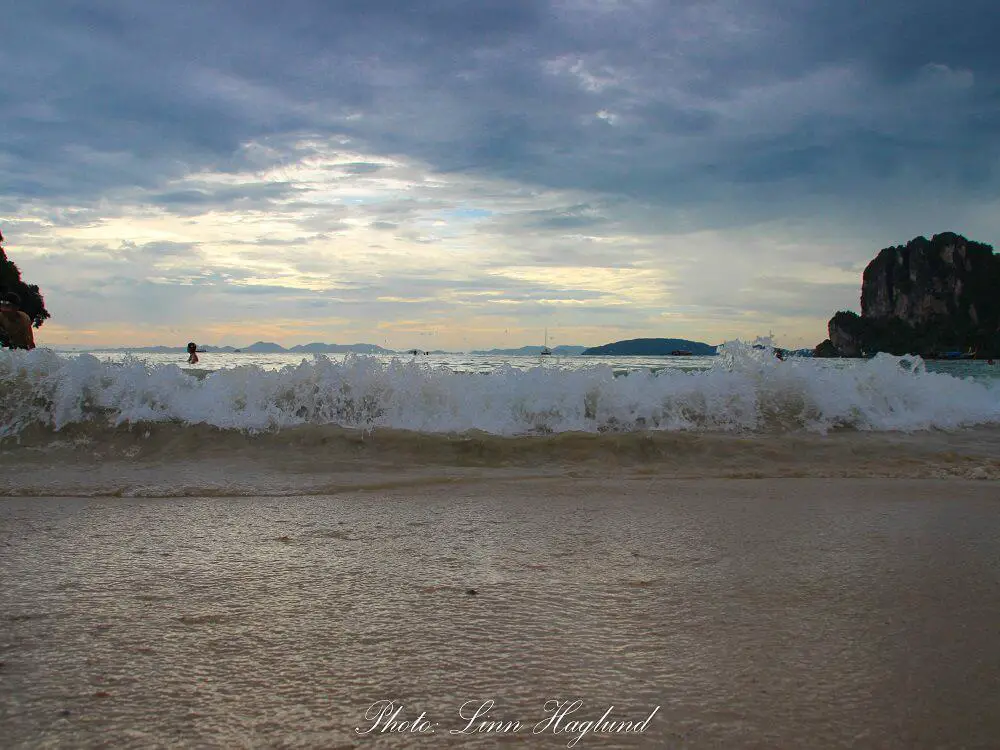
{"x":745,"y":389}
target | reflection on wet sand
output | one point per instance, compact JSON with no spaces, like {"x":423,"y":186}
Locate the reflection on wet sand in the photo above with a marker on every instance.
{"x":778,"y":613}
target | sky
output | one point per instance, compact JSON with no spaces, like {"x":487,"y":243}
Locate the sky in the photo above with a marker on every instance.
{"x":467,"y":174}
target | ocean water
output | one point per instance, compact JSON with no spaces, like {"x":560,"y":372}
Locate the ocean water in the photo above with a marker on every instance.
{"x":742,"y":390}
{"x":255,"y":551}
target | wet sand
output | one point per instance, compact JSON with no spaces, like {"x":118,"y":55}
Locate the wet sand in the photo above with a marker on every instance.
{"x":753,"y":613}
{"x":168,"y":460}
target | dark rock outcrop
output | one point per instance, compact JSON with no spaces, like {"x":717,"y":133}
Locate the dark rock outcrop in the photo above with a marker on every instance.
{"x":928,"y":297}
{"x":826,"y":349}
{"x":846,"y":334}
{"x":32,"y":303}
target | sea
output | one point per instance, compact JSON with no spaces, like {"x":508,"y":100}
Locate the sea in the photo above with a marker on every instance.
{"x":473,"y":551}
{"x":742,"y":389}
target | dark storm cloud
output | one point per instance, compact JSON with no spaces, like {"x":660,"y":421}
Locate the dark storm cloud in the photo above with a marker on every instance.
{"x":711,"y":105}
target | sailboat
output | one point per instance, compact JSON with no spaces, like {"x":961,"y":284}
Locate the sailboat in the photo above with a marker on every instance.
{"x":546,"y":352}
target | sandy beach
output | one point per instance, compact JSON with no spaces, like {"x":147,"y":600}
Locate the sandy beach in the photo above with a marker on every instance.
{"x":837,"y":608}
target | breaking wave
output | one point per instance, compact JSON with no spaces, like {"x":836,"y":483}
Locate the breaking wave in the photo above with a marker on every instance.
{"x":746,"y":389}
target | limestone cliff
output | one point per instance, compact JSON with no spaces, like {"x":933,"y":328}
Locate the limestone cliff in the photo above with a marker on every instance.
{"x":927,"y":297}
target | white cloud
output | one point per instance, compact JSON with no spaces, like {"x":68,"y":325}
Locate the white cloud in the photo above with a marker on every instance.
{"x":607,"y":167}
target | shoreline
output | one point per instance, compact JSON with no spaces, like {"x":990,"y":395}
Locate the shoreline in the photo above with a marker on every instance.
{"x":166,"y":460}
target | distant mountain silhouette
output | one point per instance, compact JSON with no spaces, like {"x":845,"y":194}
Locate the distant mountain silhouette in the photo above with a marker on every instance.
{"x":264,"y":347}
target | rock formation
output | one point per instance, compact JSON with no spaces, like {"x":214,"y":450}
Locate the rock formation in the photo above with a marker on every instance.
{"x":32,"y":303}
{"x":928,"y":297}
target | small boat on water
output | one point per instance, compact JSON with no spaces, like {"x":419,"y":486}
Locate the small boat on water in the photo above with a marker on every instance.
{"x":953,"y":355}
{"x":546,"y":352}
{"x":680,"y":353}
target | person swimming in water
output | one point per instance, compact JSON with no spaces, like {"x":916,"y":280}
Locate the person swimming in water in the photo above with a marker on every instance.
{"x":192,"y":353}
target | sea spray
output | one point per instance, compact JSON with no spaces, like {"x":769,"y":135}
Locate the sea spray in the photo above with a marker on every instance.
{"x":746,"y":389}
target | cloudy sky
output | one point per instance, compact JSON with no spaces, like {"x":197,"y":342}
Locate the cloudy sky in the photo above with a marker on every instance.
{"x":463,"y":174}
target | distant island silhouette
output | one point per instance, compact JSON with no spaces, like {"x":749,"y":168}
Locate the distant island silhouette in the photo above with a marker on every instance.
{"x":649,"y":347}
{"x":652,"y":348}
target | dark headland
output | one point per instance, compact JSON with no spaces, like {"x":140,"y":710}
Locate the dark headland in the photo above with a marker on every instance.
{"x":938,"y":298}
